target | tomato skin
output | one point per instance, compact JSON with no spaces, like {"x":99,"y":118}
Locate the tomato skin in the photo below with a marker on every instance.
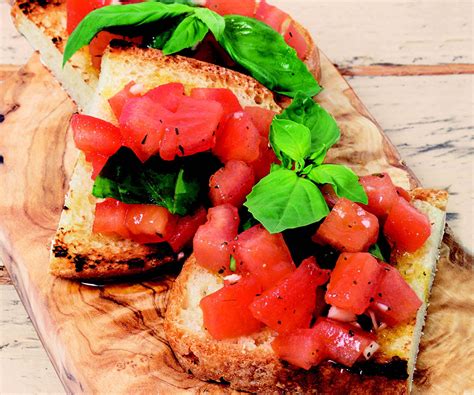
{"x":149,"y":223}
{"x":403,"y":193}
{"x":302,"y":348}
{"x":348,"y":227}
{"x":97,"y":161}
{"x":290,"y":303}
{"x":402,"y":303}
{"x":261,"y":118}
{"x":110,"y":218}
{"x":406,"y":227}
{"x":329,"y":195}
{"x":78,"y":9}
{"x":261,"y":166}
{"x":93,"y":135}
{"x":229,"y":7}
{"x":168,"y":95}
{"x":226,"y":312}
{"x":381,"y":193}
{"x":344,"y":343}
{"x":296,"y":40}
{"x":212,"y":242}
{"x":263,"y":255}
{"x":185,"y":229}
{"x":117,"y":101}
{"x":231,"y":184}
{"x":225,"y":97}
{"x":271,"y":15}
{"x":354,"y":281}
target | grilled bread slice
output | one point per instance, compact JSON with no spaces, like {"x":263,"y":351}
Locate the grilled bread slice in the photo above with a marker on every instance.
{"x":249,"y":363}
{"x":77,"y":252}
{"x":43,"y":23}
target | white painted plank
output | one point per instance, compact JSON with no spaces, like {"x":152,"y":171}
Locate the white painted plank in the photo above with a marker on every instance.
{"x":14,"y":49}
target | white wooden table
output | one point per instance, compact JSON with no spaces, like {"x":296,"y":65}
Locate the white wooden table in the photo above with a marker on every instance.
{"x":411,"y":63}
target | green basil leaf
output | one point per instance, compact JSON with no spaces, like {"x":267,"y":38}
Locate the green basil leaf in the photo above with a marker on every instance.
{"x":187,"y":2}
{"x":324,"y":130}
{"x":213,"y":21}
{"x":179,"y":185}
{"x":268,"y":58}
{"x":344,"y":180}
{"x":162,"y":33}
{"x":189,"y":32}
{"x":282,"y":200}
{"x":376,"y":252}
{"x":290,"y":139}
{"x":232,"y":264}
{"x":113,"y":16}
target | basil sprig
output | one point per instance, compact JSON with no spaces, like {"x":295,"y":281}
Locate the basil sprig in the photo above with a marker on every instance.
{"x":249,"y":42}
{"x":288,"y":197}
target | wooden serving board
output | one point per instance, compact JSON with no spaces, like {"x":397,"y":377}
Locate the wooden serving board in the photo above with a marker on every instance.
{"x":110,"y":339}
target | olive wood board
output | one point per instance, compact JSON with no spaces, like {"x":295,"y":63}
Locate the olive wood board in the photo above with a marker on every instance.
{"x":110,"y":339}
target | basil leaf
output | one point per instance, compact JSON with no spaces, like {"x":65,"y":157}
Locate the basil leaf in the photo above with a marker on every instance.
{"x":187,"y":2}
{"x":376,"y":252}
{"x":213,"y":21}
{"x":232,"y":264}
{"x":344,"y":180}
{"x":324,"y":130}
{"x":179,"y":185}
{"x":267,"y":57}
{"x":162,"y":33}
{"x":282,"y":200}
{"x":290,"y":139}
{"x":112,"y":16}
{"x":190,"y":31}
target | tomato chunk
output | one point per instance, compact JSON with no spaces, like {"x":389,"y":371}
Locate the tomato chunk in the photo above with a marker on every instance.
{"x":97,"y":161}
{"x":302,"y":347}
{"x":344,"y":343}
{"x":329,"y":195}
{"x":167,"y":95}
{"x":348,"y":227}
{"x":226,"y":312}
{"x":212,"y":242}
{"x":261,"y":118}
{"x":406,"y":227}
{"x":239,"y":139}
{"x":394,"y":300}
{"x":231,"y":184}
{"x":110,"y":218}
{"x":296,"y":40}
{"x":149,"y":223}
{"x":381,"y":193}
{"x":185,"y":229}
{"x":236,"y":7}
{"x":78,"y":9}
{"x":271,"y":15}
{"x":117,"y":101}
{"x":264,"y":255}
{"x":225,"y":97}
{"x":354,"y":281}
{"x":266,"y":157}
{"x":290,"y":303}
{"x":403,"y":193}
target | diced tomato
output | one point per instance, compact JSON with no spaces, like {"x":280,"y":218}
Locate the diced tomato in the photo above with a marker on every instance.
{"x":344,"y":343}
{"x":403,"y":193}
{"x":329,"y":195}
{"x":264,"y":255}
{"x":381,"y":193}
{"x":271,"y":15}
{"x":302,"y":348}
{"x":118,"y":100}
{"x":93,"y":135}
{"x":394,"y":300}
{"x":238,"y":140}
{"x":296,"y":40}
{"x":231,"y":183}
{"x":98,"y":161}
{"x":149,"y":223}
{"x":167,"y":95}
{"x":110,"y":218}
{"x":225,"y":97}
{"x":290,"y":303}
{"x":226,"y":312}
{"x":354,"y":281}
{"x":98,"y":45}
{"x":185,"y":229}
{"x":235,"y":7}
{"x":266,"y":157}
{"x":261,"y":118}
{"x":78,"y":9}
{"x":212,"y":242}
{"x":406,"y":227}
{"x":348,"y":227}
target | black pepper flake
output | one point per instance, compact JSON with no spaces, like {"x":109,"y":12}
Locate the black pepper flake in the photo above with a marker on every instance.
{"x":161,"y":121}
{"x":2,"y":118}
{"x":351,"y":333}
{"x":221,"y":270}
{"x":1,"y":160}
{"x":369,"y":354}
{"x":424,"y":273}
{"x":159,"y":234}
{"x":370,"y":282}
{"x":257,"y":294}
{"x":65,"y":208}
{"x":279,"y":322}
{"x":387,"y":269}
{"x":354,"y":282}
{"x":291,"y":34}
{"x":350,"y":226}
{"x":371,"y":300}
{"x":216,"y":186}
{"x":389,"y":308}
{"x":176,"y":130}
{"x":181,"y":149}
{"x":144,"y":139}
{"x":280,"y":297}
{"x":380,"y":294}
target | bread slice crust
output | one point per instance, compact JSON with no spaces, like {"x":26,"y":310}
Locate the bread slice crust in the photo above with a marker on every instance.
{"x":249,"y":364}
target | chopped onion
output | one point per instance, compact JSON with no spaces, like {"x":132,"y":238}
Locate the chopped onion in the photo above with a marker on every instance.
{"x":341,"y":315}
{"x":370,"y":350}
{"x":232,"y":278}
{"x":381,"y":306}
{"x":374,"y":320}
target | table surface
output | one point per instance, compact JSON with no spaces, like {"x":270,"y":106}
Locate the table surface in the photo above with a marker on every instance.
{"x":411,"y":63}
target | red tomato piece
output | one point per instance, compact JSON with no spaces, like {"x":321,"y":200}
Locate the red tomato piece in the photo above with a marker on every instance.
{"x":406,"y":227}
{"x":226,"y":312}
{"x":348,"y":227}
{"x":261,"y":118}
{"x":271,"y":15}
{"x":403,"y":193}
{"x":78,"y":9}
{"x":93,"y":135}
{"x":238,"y":140}
{"x":290,"y":303}
{"x":296,"y":40}
{"x":110,"y":218}
{"x":394,"y":300}
{"x":149,"y":223}
{"x":344,"y":343}
{"x":354,"y":281}
{"x":225,"y":97}
{"x":302,"y":348}
{"x":98,"y":45}
{"x":98,"y":161}
{"x":266,"y":157}
{"x":381,"y":193}
{"x":263,"y":255}
{"x":231,"y":183}
{"x":329,"y":195}
{"x":118,"y":100}
{"x":167,"y":95}
{"x":212,"y":242}
{"x":185,"y":229}
{"x":235,"y":7}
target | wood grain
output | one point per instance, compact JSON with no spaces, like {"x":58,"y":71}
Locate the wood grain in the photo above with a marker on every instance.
{"x":387,"y":69}
{"x":111,"y":337}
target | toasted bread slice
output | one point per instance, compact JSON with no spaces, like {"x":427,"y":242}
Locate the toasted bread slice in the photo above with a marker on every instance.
{"x":77,"y":252}
{"x":43,"y":23}
{"x":249,"y":363}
